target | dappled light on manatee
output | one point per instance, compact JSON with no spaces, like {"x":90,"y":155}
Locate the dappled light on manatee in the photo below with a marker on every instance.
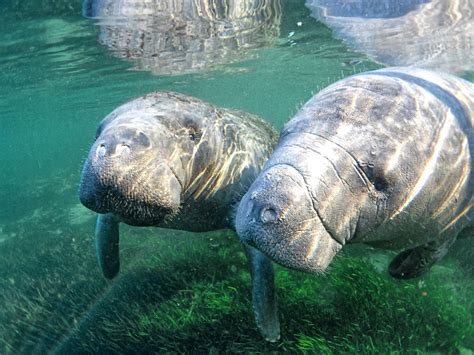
{"x":328,"y":188}
{"x":324,"y":172}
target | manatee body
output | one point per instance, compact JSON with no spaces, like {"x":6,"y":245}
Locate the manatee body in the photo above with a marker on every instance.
{"x":171,"y":37}
{"x":383,"y":158}
{"x":433,"y":34}
{"x":173,"y":161}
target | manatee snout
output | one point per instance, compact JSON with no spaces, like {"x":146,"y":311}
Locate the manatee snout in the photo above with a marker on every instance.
{"x":277,"y":216}
{"x":126,"y":176}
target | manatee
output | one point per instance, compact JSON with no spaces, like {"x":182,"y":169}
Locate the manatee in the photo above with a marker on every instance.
{"x":383,"y":158}
{"x":169,"y":160}
{"x":171,"y":37}
{"x":434,"y":34}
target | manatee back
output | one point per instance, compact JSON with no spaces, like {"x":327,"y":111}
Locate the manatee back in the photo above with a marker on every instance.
{"x":391,"y":148}
{"x":232,"y":148}
{"x":245,"y":143}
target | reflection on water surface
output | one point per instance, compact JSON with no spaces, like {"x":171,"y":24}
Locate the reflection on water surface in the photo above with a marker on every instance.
{"x":437,"y":34}
{"x":177,"y":37}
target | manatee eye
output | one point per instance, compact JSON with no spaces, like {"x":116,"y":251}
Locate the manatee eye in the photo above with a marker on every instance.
{"x":375,"y":176}
{"x":194,"y":135}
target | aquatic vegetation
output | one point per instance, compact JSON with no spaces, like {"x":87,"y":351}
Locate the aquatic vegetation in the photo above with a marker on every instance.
{"x":183,"y":291}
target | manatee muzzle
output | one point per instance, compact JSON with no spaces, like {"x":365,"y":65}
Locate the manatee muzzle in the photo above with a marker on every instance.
{"x":277,"y":217}
{"x":142,"y":192}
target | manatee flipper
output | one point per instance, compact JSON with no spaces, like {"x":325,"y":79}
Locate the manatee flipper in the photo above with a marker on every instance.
{"x":263,"y":294}
{"x":415,"y":262}
{"x":107,"y":244}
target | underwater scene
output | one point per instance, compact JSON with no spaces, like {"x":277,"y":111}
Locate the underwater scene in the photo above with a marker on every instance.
{"x":195,"y":270}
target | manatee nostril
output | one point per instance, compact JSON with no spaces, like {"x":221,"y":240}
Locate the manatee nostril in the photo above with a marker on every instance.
{"x":123,"y":148}
{"x":110,"y":149}
{"x":101,"y":150}
{"x":268,"y":215}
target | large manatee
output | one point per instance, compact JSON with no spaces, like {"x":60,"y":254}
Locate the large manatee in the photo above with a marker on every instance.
{"x":173,"y":161}
{"x":184,"y":36}
{"x":384,"y":158}
{"x":435,"y":34}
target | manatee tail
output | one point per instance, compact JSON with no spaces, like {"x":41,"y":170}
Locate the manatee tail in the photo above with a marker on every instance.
{"x":107,"y":244}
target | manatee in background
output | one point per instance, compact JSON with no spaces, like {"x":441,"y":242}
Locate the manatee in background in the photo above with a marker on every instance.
{"x":173,"y":161}
{"x":384,"y":158}
{"x":180,"y":36}
{"x":437,"y":34}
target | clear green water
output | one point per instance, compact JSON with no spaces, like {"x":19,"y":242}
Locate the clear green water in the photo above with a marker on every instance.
{"x":178,"y":291}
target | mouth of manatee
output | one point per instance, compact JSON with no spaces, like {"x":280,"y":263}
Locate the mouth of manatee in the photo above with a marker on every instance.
{"x":140,"y":195}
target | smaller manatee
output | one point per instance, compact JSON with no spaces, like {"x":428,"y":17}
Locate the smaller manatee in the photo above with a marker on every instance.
{"x":173,"y":161}
{"x":384,"y":158}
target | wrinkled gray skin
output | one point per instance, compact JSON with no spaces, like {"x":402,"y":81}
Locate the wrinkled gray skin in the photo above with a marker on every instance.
{"x":171,"y":37}
{"x":436,"y":34}
{"x":383,"y":158}
{"x":173,"y":161}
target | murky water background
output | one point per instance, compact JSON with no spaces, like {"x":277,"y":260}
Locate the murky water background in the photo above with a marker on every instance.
{"x":178,"y":291}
